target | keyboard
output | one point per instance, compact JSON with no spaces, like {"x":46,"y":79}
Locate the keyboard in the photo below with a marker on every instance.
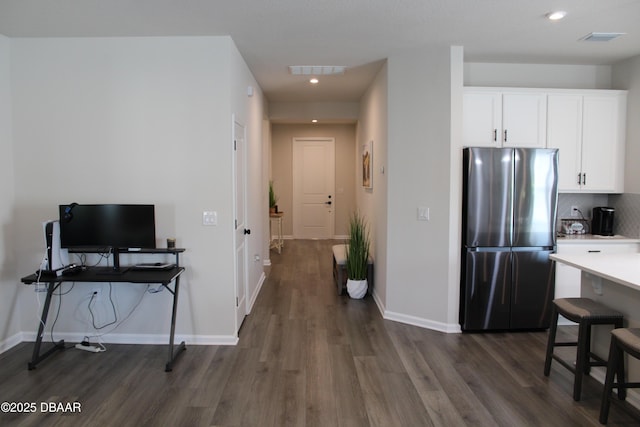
{"x":154,"y":266}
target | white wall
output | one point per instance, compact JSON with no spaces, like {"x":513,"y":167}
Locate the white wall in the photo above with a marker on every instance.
{"x":9,"y":286}
{"x":538,"y":75}
{"x":372,"y":203}
{"x":247,"y":106}
{"x":135,"y":120}
{"x":626,"y":75}
{"x":303,"y":112}
{"x":418,"y":175}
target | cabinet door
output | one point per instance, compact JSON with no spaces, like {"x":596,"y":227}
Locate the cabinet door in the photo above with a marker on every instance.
{"x":564,"y":132}
{"x":524,"y":120}
{"x":481,"y":119}
{"x":601,"y":144}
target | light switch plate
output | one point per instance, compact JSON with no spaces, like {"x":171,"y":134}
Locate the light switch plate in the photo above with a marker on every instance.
{"x":209,"y":218}
{"x":423,"y":214}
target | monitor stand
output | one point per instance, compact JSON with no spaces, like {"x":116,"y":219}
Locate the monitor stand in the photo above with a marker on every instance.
{"x":116,"y":269}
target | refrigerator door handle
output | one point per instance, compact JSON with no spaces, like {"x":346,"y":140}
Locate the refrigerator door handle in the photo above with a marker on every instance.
{"x":533,"y":248}
{"x":490,"y":249}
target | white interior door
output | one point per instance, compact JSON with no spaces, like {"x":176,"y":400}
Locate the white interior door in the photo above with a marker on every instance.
{"x":241,"y":230}
{"x":313,"y":188}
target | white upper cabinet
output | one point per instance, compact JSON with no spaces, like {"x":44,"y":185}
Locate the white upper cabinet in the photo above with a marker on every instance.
{"x":524,"y":120}
{"x":498,"y":118}
{"x":587,"y":126}
{"x":482,"y":119}
{"x":564,"y":132}
{"x":588,"y":130}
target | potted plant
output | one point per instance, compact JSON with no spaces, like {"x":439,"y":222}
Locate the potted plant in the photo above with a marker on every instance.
{"x":273,"y":199}
{"x":357,"y":256}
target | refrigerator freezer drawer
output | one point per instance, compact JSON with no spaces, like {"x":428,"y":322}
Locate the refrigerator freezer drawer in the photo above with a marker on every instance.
{"x":486,"y":297}
{"x":506,"y":289}
{"x":532,"y":289}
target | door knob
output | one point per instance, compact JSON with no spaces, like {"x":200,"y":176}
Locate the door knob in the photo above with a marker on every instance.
{"x":247,"y":231}
{"x":327,"y":203}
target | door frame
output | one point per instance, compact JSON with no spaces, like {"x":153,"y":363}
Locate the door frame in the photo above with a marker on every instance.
{"x":241,"y":307}
{"x":295,"y":199}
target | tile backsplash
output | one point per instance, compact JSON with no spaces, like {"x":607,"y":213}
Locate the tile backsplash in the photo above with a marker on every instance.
{"x":627,"y":206}
{"x":584,"y":202}
{"x":627,"y":217}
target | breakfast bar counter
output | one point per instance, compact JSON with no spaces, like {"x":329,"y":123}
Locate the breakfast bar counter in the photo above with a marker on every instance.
{"x":613,"y":280}
{"x":623,"y":268}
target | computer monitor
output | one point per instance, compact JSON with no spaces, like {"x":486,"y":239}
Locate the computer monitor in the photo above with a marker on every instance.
{"x":99,"y":228}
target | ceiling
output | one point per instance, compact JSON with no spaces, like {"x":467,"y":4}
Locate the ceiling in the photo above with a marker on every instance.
{"x":359,"y":34}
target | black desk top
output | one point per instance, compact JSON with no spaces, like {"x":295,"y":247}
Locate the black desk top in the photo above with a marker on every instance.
{"x":107,"y":274}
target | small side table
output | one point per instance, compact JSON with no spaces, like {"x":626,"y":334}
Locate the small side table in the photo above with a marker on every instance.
{"x":278,"y":241}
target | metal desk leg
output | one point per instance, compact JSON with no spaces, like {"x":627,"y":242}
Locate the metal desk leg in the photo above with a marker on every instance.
{"x":181,"y":347}
{"x":36,"y":357}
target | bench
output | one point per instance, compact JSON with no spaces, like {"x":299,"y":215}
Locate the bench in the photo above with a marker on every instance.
{"x":340,"y":269}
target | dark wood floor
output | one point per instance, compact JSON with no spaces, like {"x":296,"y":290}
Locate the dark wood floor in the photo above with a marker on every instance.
{"x":308,"y":357}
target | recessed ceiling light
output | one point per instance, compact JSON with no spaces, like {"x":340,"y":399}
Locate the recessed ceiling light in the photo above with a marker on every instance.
{"x":557,"y":15}
{"x":314,"y":81}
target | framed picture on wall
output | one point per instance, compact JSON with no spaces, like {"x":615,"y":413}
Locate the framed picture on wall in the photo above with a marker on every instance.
{"x":367,"y":164}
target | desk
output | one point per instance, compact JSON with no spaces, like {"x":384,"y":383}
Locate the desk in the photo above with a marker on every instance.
{"x":277,"y":242}
{"x":102,"y":275}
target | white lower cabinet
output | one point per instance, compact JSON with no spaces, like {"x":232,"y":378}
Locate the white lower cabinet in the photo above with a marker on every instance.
{"x":568,"y":278}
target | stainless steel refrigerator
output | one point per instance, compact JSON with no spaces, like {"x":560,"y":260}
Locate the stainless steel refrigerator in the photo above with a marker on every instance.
{"x":508,"y":231}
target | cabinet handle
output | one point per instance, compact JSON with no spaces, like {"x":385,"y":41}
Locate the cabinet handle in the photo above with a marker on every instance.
{"x":582,"y":179}
{"x":594,"y":251}
{"x":495,"y":135}
{"x":505,"y":135}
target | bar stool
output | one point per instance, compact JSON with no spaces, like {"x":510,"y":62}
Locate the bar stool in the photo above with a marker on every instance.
{"x":585,"y":312}
{"x":624,"y":340}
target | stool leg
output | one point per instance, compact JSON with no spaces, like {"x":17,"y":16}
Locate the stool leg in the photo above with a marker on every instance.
{"x":587,"y":352}
{"x":551,"y":340}
{"x":582,"y":354}
{"x":612,"y":366}
{"x":622,"y":391}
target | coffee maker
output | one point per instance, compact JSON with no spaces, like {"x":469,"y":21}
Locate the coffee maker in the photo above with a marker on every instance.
{"x":602,"y":221}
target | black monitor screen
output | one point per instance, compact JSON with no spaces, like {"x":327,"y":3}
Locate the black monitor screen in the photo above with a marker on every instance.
{"x":107,"y":226}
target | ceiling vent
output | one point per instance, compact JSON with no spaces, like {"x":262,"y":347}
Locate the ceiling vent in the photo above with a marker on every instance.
{"x":316,"y":70}
{"x":601,"y":37}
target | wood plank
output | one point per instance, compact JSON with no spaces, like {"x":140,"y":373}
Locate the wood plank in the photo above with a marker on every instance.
{"x":308,"y":357}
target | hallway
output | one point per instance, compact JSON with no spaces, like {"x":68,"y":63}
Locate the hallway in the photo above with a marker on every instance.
{"x":308,"y":357}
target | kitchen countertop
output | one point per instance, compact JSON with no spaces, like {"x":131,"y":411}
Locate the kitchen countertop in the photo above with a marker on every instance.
{"x":623,"y":268}
{"x":593,"y":238}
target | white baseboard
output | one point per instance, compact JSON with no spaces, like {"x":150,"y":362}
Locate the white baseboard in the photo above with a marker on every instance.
{"x":11,"y":342}
{"x":423,"y":323}
{"x":254,"y":297}
{"x":151,"y":339}
{"x":415,"y":321}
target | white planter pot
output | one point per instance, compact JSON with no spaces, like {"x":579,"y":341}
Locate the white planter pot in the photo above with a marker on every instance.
{"x":357,"y":289}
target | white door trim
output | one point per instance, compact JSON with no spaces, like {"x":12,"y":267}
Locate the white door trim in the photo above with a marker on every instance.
{"x":299,"y":230}
{"x":240,"y":220}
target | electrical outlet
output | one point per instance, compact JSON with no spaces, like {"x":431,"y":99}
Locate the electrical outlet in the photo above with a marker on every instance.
{"x":575,"y":211}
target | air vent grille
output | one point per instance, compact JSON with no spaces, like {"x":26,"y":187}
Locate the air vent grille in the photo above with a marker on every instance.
{"x":316,"y":70}
{"x":601,"y":37}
